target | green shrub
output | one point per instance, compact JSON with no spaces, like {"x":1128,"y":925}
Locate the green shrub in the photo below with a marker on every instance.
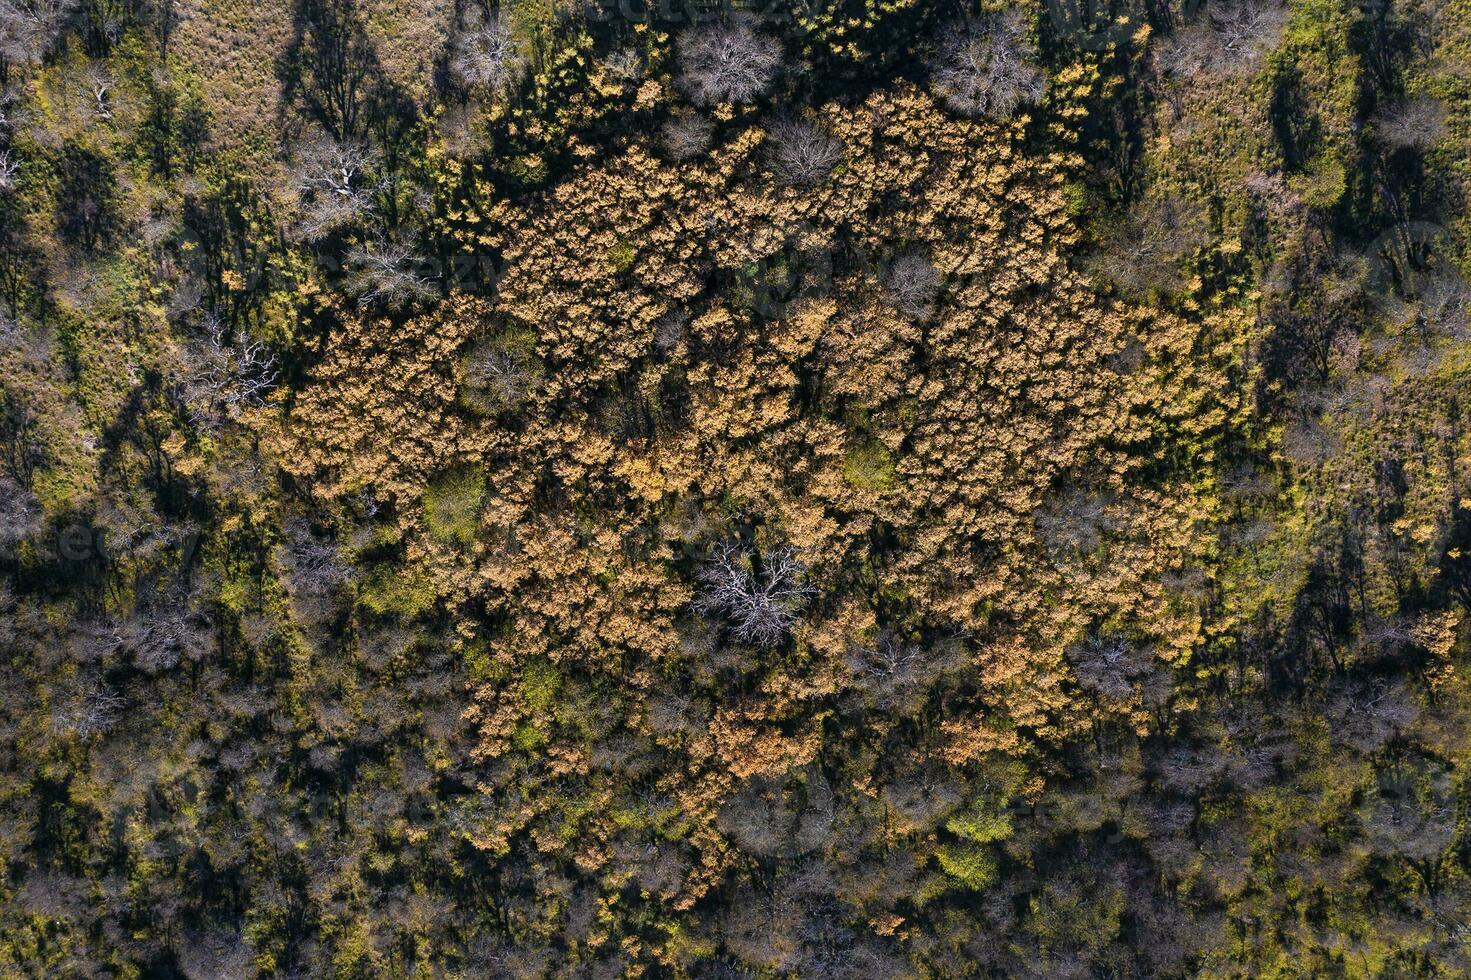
{"x":870,"y":467}
{"x":969,"y":864}
{"x":452,"y":505}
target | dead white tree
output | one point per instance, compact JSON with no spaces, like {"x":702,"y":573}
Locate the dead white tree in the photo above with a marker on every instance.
{"x":802,"y":153}
{"x":98,"y":82}
{"x":726,"y":62}
{"x":687,"y":135}
{"x":28,"y":28}
{"x":486,"y":53}
{"x":9,"y":170}
{"x":225,"y":374}
{"x":983,"y":69}
{"x":388,"y":275}
{"x":913,"y":283}
{"x":759,"y":595}
{"x":334,"y":185}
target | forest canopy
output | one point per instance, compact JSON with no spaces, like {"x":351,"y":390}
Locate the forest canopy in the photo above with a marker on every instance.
{"x":831,"y":489}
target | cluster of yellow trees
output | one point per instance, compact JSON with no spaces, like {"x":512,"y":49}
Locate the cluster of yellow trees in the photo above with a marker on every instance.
{"x":711,"y":361}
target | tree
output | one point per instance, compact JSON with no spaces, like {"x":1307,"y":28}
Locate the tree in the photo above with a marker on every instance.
{"x":1413,"y":123}
{"x":913,"y":283}
{"x":486,"y":53}
{"x":20,"y":513}
{"x":758,"y":594}
{"x":388,"y":275}
{"x":687,"y":135}
{"x":983,"y":67}
{"x":334,"y":183}
{"x":801,"y":152}
{"x":726,"y":62}
{"x":29,"y":28}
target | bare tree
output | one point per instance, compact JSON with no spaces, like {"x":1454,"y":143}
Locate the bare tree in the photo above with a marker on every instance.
{"x":224,"y":374}
{"x":757,"y":820}
{"x":815,"y":819}
{"x":1244,"y":30}
{"x":687,"y":135}
{"x":1369,"y":714}
{"x":669,"y":330}
{"x":1413,"y":123}
{"x":913,"y":283}
{"x":1147,"y":250}
{"x":1075,"y":521}
{"x":983,"y":68}
{"x":333,"y":182}
{"x":624,"y":66}
{"x":87,"y":707}
{"x":28,"y":28}
{"x":499,"y":375}
{"x":215,"y":955}
{"x":388,"y":275}
{"x":9,"y":170}
{"x":1445,"y":307}
{"x":922,"y":797}
{"x":801,"y":152}
{"x":1413,"y":815}
{"x":20,"y":514}
{"x":314,"y":566}
{"x":898,"y":674}
{"x":1231,"y":40}
{"x":1307,"y":441}
{"x":758,"y":594}
{"x":162,"y":635}
{"x":726,"y":62}
{"x":459,"y":128}
{"x":486,"y":53}
{"x":1111,"y":665}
